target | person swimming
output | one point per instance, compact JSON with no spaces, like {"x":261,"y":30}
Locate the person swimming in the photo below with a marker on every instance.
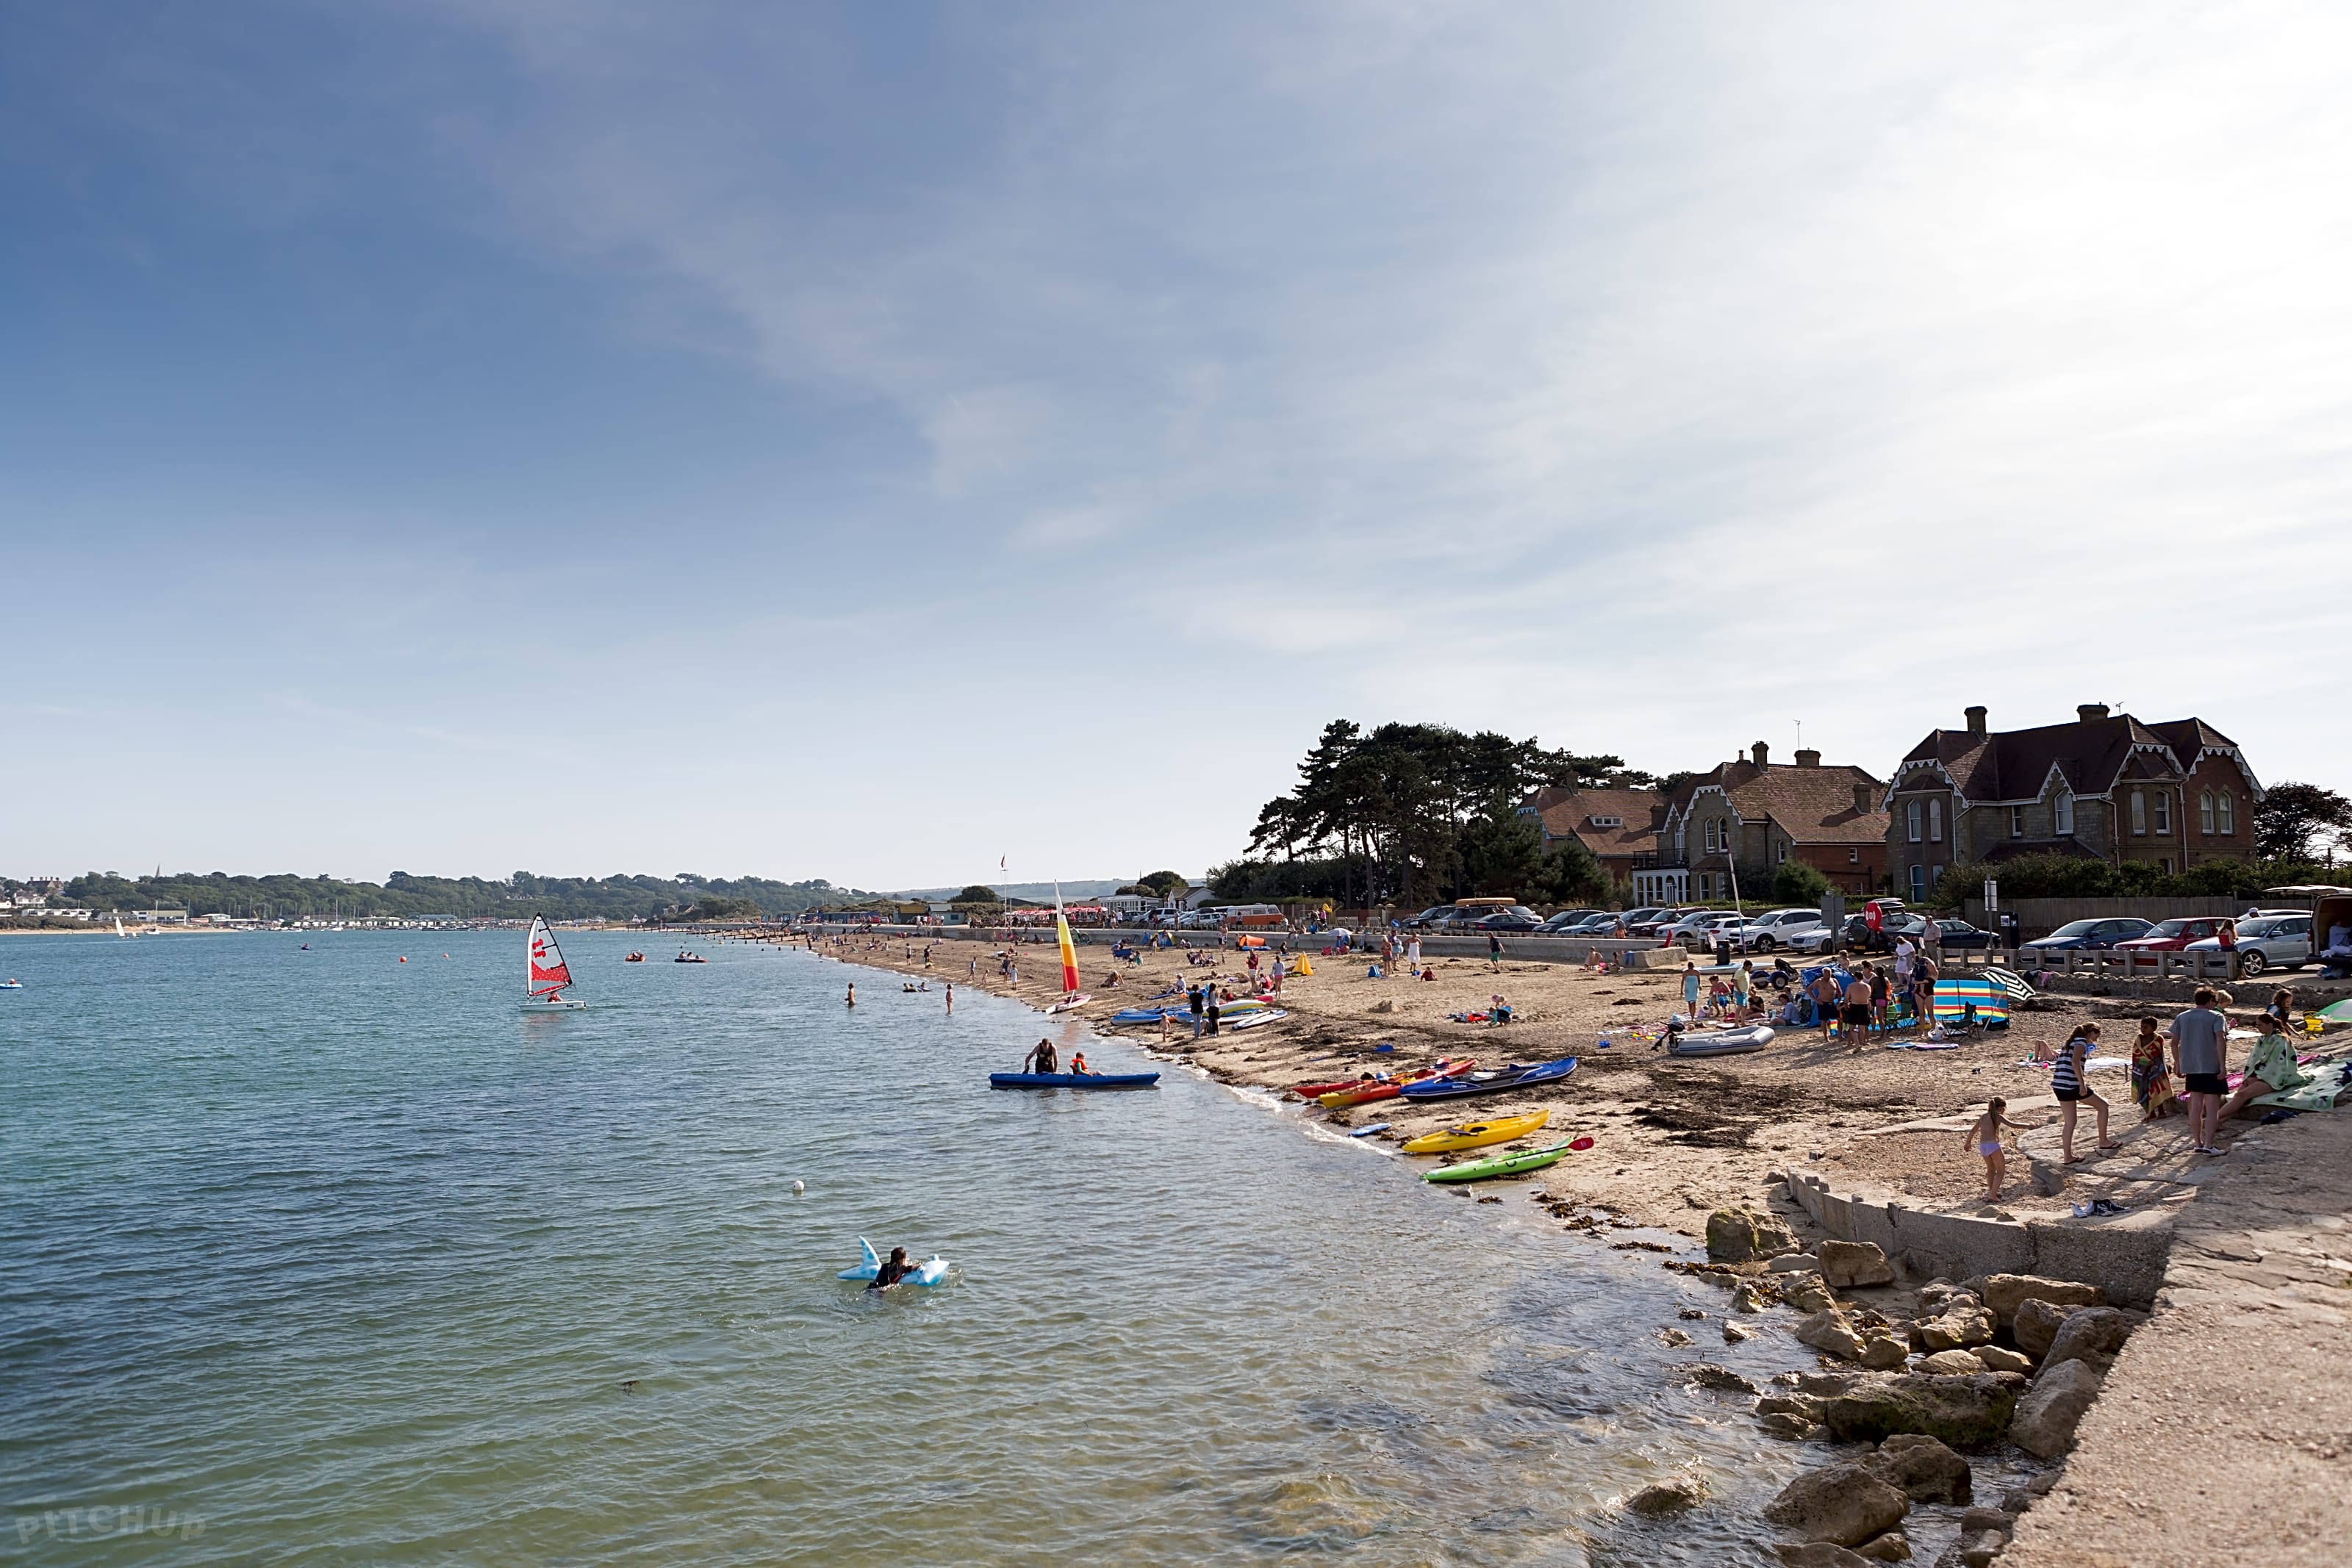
{"x":896,"y":1269}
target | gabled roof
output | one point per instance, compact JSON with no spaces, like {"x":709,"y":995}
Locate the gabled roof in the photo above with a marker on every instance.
{"x":1569,"y":813}
{"x":2089,"y":754}
{"x":1811,"y":805}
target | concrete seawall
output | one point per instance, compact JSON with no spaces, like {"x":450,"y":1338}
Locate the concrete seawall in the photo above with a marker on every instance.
{"x":2124,"y":1254}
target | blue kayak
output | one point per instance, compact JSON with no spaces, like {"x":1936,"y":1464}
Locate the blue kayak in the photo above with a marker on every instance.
{"x":1072,"y":1079}
{"x":1497,"y":1082}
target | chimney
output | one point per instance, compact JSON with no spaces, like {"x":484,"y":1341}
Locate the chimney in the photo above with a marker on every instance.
{"x":1758,"y":752}
{"x":1975,"y":721}
{"x":1809,"y":757}
{"x":2089,"y":710}
{"x":1864,"y":793}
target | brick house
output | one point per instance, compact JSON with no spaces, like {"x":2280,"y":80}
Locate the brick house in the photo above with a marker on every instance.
{"x":1753,"y":816}
{"x":1618,"y":826}
{"x":2106,"y":787}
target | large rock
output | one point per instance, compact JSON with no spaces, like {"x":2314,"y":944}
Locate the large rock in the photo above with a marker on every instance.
{"x":2037,"y":1323}
{"x":1818,"y":1554}
{"x":1829,"y":1332}
{"x":1951,"y":1363}
{"x":2046,"y":1420}
{"x":1670,"y":1496}
{"x":1795,"y":1263}
{"x":1999,"y":1359}
{"x":1922,"y":1470}
{"x":1892,"y":1547}
{"x":2003,"y":1293}
{"x":1843,"y":1503}
{"x":1742,"y":1234}
{"x":1846,"y":1264}
{"x":1809,"y":1293}
{"x":1882,"y":1351}
{"x":1804,"y":1405}
{"x":1963,"y":1412}
{"x":2092,"y":1334}
{"x":1958,"y":1328}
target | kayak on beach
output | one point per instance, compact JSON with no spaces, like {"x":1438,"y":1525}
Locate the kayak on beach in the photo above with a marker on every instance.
{"x":1072,"y":1079}
{"x":1506,"y":1165}
{"x":1477,"y":1134}
{"x":1363,"y":1091}
{"x":1496,"y":1083}
{"x":1317,"y":1090}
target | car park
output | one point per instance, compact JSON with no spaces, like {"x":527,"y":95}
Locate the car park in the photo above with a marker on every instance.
{"x":2274,"y":942}
{"x":1566,"y":918}
{"x":1607,"y":922}
{"x":1508,"y":920}
{"x":1774,"y":929}
{"x":2173,"y":935}
{"x":2088,"y":936}
{"x":1428,"y":917}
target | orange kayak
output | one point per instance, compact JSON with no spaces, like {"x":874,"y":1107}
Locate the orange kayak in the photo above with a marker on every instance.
{"x":1317,"y":1090}
{"x":1389,"y":1089}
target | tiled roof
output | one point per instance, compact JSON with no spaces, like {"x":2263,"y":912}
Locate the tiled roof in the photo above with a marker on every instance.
{"x":2089,"y":754}
{"x":1569,"y":813}
{"x":1811,"y":805}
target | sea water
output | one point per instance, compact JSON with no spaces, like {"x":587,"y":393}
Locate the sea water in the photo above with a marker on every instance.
{"x":326,"y":1252}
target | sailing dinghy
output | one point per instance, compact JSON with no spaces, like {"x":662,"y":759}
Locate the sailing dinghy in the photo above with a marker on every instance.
{"x":1071,"y":995}
{"x":549,"y":975}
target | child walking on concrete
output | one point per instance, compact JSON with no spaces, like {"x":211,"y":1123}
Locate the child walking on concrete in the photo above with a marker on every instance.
{"x":1986,"y":1137}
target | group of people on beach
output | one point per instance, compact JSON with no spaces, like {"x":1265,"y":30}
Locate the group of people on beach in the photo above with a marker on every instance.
{"x":2199,"y":1057}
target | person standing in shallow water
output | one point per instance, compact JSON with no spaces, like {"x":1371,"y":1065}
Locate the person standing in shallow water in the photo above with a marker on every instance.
{"x":852,"y":1000}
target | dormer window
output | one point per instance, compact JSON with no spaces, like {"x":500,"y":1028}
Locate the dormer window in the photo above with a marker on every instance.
{"x":2064,"y":812}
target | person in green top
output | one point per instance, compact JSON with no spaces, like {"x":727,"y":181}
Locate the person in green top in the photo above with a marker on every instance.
{"x":2270,"y":1070}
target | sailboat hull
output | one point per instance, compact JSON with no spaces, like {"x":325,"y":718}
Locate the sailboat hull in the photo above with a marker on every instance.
{"x":1067,"y":1003}
{"x":554,"y":1007}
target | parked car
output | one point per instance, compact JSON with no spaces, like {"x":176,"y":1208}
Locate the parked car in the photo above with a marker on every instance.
{"x":1428,"y":917}
{"x":1707,"y":929}
{"x":2081,"y":935}
{"x":1508,"y":920}
{"x":2172,"y":935}
{"x":1654,"y":922}
{"x":1607,"y":922}
{"x":1774,"y":929}
{"x":1960,"y":934}
{"x":1637,"y":916}
{"x":1568,"y":917}
{"x":2276,"y":942}
{"x":1812,"y":938}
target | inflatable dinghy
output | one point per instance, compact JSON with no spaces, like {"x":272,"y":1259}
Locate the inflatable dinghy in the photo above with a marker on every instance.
{"x":1722,"y":1041}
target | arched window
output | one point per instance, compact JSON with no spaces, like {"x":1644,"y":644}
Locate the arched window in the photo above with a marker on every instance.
{"x":1935,"y":821}
{"x":2228,"y":813}
{"x":2205,"y":811}
{"x":1911,"y":819}
{"x":2163,"y":812}
{"x":2139,"y":811}
{"x":1707,"y":835}
{"x":2066,"y":812}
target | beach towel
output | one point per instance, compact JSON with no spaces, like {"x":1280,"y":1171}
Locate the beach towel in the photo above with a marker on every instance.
{"x":2327,"y":1081}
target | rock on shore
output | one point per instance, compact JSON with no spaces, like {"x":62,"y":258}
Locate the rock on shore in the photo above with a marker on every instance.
{"x":1845,"y":1504}
{"x":1962,"y":1412}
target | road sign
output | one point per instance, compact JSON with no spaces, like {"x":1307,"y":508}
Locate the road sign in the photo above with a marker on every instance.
{"x":1993,"y":894}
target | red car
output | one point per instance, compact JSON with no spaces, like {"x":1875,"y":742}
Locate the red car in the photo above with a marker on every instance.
{"x":2172,"y":935}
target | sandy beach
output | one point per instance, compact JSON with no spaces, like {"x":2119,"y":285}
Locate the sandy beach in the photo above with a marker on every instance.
{"x":1675,"y":1138}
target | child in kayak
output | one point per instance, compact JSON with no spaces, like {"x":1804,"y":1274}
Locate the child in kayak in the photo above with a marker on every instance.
{"x":1078,"y":1068}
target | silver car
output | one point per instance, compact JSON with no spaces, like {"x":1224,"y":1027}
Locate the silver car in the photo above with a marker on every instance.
{"x":2274,"y":942}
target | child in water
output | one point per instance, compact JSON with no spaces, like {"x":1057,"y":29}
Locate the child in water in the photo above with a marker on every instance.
{"x":1986,"y":1137}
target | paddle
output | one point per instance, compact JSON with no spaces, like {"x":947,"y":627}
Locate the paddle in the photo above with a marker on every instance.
{"x":1580,"y":1145}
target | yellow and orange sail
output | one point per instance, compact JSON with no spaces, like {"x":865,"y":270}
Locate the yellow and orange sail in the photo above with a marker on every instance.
{"x":1069,"y":948}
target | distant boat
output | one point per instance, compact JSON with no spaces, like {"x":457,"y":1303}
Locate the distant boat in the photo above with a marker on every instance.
{"x":546,"y":973}
{"x":119,"y":931}
{"x":635,"y":958}
{"x":1071,"y":995}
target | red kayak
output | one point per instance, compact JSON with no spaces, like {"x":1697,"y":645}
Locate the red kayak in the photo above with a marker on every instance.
{"x":1317,"y":1090}
{"x":1360,"y":1093}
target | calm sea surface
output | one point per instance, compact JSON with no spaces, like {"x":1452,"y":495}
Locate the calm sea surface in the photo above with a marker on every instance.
{"x":337,"y":1258}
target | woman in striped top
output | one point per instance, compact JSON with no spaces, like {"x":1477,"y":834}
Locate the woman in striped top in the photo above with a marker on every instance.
{"x":2070,"y":1081}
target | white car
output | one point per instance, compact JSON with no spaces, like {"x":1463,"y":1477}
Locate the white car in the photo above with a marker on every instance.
{"x":2273,"y":942}
{"x":1813,"y":939}
{"x":1706,"y":930}
{"x":1780,"y":928}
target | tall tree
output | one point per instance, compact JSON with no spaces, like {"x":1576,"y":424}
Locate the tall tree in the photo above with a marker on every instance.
{"x":2300,"y":823}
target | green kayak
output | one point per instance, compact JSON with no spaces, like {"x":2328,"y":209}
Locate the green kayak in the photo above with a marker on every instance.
{"x":1501,"y":1164}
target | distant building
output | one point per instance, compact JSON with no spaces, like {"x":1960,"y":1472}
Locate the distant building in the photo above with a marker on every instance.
{"x":1753,"y":816}
{"x":158,"y":917}
{"x":1618,"y":826}
{"x":2106,"y":787}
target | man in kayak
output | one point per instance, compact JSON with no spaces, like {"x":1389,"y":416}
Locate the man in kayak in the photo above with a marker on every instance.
{"x":1042,"y":1060}
{"x":891,"y":1272}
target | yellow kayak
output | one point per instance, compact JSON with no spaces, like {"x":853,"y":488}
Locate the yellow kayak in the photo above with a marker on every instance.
{"x":1477,"y":1134}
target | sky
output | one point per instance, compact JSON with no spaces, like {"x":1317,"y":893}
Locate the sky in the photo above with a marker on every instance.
{"x":874,"y":441}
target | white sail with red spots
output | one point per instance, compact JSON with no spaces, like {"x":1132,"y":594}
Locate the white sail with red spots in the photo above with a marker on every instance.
{"x":548,"y":973}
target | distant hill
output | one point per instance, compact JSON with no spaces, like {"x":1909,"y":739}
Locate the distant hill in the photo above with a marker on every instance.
{"x":285,"y":897}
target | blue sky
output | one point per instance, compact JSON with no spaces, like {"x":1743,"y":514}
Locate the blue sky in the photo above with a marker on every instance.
{"x":492,"y":434}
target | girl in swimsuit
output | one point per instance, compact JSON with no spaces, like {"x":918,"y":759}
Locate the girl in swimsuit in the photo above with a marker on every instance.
{"x":1985,"y":1136}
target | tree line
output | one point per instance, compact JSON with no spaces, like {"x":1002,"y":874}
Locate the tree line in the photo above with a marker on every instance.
{"x":405,"y":896}
{"x":1411,"y":811}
